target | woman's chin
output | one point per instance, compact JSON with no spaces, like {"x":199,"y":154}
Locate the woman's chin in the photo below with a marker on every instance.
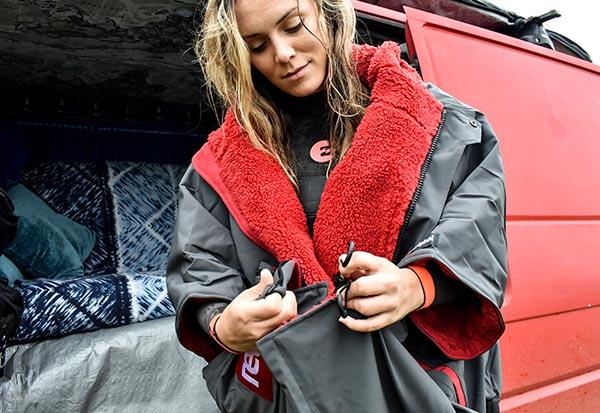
{"x":303,"y":90}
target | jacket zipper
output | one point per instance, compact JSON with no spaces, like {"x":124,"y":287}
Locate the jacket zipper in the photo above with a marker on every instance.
{"x":417,"y":194}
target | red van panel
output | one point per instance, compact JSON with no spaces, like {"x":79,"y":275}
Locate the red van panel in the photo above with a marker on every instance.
{"x":545,"y":108}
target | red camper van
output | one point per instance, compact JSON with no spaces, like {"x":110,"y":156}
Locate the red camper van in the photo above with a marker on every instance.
{"x":102,"y":110}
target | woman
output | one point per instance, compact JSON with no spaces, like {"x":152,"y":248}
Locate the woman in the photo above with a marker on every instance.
{"x":327,"y":142}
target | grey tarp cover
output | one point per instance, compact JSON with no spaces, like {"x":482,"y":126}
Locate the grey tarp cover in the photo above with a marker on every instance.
{"x":134,"y":368}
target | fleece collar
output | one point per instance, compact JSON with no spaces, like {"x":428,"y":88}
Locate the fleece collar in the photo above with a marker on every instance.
{"x":367,"y":194}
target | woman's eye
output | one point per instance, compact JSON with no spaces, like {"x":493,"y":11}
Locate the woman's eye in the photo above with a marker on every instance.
{"x":257,"y":49}
{"x":295,"y":28}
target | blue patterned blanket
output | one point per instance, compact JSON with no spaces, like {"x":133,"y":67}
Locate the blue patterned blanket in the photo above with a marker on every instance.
{"x":131,"y":207}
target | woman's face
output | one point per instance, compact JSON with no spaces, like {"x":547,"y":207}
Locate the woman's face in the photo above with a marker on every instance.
{"x":281,"y":48}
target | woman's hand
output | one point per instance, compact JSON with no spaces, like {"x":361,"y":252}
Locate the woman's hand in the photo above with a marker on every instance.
{"x":380,"y":290}
{"x":246,"y":320}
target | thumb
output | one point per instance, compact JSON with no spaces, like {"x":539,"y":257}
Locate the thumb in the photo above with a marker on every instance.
{"x":266,"y":279}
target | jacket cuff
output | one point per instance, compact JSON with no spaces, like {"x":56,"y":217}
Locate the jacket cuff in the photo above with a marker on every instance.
{"x":462,"y":325}
{"x":427,"y":284}
{"x":191,"y":334}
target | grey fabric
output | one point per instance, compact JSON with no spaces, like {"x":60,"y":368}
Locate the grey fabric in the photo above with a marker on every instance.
{"x":446,"y":289}
{"x":203,"y":264}
{"x":463,"y":236}
{"x":230,"y":395}
{"x":210,"y":260}
{"x":134,"y":368}
{"x":206,"y":312}
{"x":357,"y":372}
{"x":463,"y":212}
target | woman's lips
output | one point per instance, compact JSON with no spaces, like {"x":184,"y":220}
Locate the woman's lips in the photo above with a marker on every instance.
{"x":297,"y":74}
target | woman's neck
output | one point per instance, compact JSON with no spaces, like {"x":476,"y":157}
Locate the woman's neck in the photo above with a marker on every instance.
{"x":315,"y":103}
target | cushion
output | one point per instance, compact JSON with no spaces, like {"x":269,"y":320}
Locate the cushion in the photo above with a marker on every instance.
{"x":90,"y":303}
{"x":145,"y":200}
{"x":80,"y":191}
{"x":9,"y":270}
{"x":47,"y":244}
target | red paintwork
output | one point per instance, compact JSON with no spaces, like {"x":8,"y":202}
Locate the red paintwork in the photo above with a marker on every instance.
{"x":549,"y":349}
{"x":377,"y":11}
{"x":545,"y":108}
{"x":578,"y":394}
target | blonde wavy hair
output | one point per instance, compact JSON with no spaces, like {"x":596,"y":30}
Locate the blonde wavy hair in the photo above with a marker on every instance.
{"x":225,"y":61}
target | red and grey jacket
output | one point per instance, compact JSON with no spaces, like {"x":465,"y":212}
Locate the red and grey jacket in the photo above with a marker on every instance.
{"x":422,"y":182}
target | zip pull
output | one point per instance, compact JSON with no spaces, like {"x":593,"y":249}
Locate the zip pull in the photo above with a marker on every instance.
{"x":342,"y":285}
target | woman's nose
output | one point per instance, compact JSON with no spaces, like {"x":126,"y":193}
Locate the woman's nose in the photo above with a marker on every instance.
{"x":284,"y":52}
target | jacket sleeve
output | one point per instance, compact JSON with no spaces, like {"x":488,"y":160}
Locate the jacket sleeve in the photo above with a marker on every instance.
{"x":468,"y":244}
{"x":203,"y":266}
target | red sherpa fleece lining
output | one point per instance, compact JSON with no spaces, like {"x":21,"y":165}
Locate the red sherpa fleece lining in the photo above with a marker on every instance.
{"x":463,"y":329}
{"x":366,"y":196}
{"x":260,"y":197}
{"x":192,"y":336}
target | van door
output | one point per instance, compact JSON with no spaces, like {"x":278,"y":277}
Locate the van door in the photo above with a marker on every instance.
{"x":545,"y":108}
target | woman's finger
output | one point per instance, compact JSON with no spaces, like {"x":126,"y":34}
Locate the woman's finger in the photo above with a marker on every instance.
{"x":374,"y":284}
{"x":367,"y":325}
{"x":266,"y":279}
{"x":289,"y":306}
{"x":361,"y":263}
{"x":288,"y":312}
{"x":265,"y":308}
{"x":370,"y":306}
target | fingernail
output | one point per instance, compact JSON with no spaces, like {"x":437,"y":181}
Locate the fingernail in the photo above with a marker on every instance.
{"x":342,"y":259}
